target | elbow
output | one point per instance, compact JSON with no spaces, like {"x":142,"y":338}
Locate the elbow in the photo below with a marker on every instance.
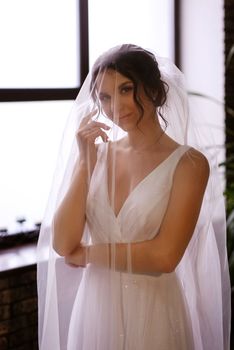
{"x":168,"y":267}
{"x":59,"y":243}
{"x":58,"y":247}
{"x":60,"y":250}
{"x":168,"y":263}
{"x":66,"y":236}
{"x":63,"y":246}
{"x":56,"y":244}
{"x":164,"y":257}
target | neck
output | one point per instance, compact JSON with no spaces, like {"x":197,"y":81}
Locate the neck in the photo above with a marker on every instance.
{"x":145,"y":135}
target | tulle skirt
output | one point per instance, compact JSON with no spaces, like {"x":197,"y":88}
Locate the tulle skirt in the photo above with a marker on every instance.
{"x":114,"y":311}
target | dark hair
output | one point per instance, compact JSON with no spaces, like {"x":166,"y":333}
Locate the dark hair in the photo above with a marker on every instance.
{"x":141,"y":67}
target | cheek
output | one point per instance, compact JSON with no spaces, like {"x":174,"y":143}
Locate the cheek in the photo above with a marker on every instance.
{"x":130,"y":102}
{"x":107,"y":110}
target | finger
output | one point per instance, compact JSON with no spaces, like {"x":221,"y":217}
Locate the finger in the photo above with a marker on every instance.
{"x":84,"y":132}
{"x":88,"y":117}
{"x":100,"y":125}
{"x":92,"y":136}
{"x":104,"y":137}
{"x":93,"y":124}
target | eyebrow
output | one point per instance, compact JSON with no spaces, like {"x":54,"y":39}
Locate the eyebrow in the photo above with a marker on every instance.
{"x":125,"y":83}
{"x":102,"y":93}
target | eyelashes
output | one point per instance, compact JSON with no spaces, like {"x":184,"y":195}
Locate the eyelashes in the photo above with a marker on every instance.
{"x":104,"y":98}
{"x":126,"y":89}
{"x":123,"y":91}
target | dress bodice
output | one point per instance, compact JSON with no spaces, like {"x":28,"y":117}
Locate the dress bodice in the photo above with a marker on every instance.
{"x":141,"y":215}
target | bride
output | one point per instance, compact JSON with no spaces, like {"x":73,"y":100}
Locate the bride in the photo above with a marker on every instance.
{"x":129,"y":253}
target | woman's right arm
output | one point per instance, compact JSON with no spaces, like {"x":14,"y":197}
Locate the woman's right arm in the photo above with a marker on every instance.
{"x":69,"y":219}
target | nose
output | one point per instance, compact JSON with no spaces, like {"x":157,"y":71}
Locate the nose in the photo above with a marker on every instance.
{"x":117,"y":106}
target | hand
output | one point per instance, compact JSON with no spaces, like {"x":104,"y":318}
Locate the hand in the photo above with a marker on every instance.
{"x":88,"y":131}
{"x":77,"y":257}
{"x":98,"y":254}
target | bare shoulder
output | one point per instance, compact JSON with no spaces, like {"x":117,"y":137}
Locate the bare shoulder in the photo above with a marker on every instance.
{"x":194,"y":165}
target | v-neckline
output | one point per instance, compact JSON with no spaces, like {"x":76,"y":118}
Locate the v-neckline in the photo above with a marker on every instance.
{"x":139,"y":184}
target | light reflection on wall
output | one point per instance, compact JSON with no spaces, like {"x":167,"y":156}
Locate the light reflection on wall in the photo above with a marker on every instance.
{"x":147,"y":23}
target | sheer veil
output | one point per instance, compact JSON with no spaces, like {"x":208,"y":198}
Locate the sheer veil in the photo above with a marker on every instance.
{"x":78,"y":306}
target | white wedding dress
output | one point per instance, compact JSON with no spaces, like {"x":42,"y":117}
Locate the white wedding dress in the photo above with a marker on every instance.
{"x":124,"y":311}
{"x":96,"y":308}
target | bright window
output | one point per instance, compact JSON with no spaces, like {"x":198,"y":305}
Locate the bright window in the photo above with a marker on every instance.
{"x":30,"y":135}
{"x":39,"y":42}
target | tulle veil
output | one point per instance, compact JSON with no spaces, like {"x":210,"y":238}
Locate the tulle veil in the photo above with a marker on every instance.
{"x":202,"y":272}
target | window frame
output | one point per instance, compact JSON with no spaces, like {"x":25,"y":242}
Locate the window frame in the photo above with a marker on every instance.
{"x":177,"y":35}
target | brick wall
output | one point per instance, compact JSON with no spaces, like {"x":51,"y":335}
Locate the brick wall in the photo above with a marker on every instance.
{"x":18,"y":309}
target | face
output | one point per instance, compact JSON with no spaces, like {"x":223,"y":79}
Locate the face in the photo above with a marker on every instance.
{"x":115,"y":93}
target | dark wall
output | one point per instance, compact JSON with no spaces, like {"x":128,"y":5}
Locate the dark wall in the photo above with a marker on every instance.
{"x":229,"y":74}
{"x":229,"y":103}
{"x":18,"y":309}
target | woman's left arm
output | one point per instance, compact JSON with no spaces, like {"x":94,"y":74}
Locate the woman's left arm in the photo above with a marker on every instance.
{"x":163,"y":253}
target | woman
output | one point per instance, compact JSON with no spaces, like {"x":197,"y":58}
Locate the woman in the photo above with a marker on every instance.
{"x":134,"y":217}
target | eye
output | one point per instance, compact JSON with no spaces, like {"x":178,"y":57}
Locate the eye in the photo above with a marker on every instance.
{"x":126,"y":89}
{"x":104,"y":98}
